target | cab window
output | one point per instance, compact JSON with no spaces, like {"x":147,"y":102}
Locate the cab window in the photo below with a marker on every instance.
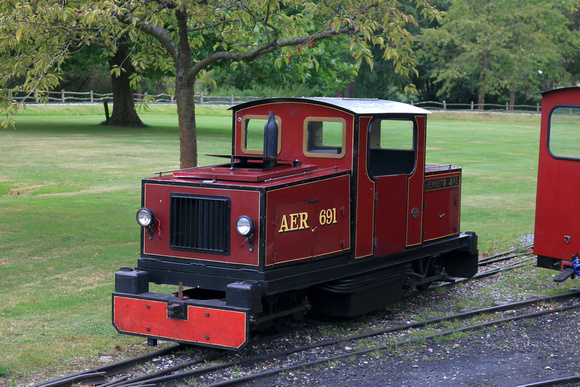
{"x":392,"y":149}
{"x":564,"y":133}
{"x":324,"y":137}
{"x":253,"y":133}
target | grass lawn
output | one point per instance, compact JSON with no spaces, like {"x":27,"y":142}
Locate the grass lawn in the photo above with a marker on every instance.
{"x":69,"y":189}
{"x":499,"y":156}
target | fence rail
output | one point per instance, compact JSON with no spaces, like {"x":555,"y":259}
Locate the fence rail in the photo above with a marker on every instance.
{"x":64,"y":96}
{"x":436,"y":105}
{"x":72,"y":97}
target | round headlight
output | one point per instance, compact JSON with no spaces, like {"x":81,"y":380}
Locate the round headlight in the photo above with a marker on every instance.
{"x":244,"y":225}
{"x":145,"y":217}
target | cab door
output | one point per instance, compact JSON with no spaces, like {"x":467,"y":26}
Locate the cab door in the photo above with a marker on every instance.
{"x":396,"y":162}
{"x":557,"y":233}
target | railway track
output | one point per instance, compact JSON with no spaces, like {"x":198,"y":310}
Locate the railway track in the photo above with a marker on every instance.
{"x":119,"y":374}
{"x":98,"y":375}
{"x":226,"y":363}
{"x":469,"y":327}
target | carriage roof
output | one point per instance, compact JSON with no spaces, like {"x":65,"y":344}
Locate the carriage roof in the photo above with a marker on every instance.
{"x":359,"y":106}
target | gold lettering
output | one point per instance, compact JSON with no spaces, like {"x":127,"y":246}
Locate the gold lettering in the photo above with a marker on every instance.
{"x":293,"y":222}
{"x":284,"y":225}
{"x":298,"y":221}
{"x":303,"y":220}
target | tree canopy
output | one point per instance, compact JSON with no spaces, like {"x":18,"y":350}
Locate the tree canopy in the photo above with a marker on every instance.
{"x":186,"y":37}
{"x":480,"y":48}
{"x":498,"y":45}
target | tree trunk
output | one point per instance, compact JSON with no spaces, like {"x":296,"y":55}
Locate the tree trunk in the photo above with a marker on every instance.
{"x":482,"y":83}
{"x":512,"y":96}
{"x":350,"y":90}
{"x":124,"y":113}
{"x":184,"y":94}
{"x":481,"y":94}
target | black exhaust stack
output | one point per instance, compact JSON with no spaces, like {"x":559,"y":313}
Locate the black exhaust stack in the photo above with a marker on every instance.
{"x":270,"y":142}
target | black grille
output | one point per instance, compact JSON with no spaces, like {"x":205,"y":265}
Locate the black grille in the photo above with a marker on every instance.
{"x":200,"y":223}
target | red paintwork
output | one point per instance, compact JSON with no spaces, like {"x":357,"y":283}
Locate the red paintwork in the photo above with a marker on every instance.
{"x":365,"y":204}
{"x":315,"y":240}
{"x":224,"y":172}
{"x":156,"y":198}
{"x":384,"y":205}
{"x":302,"y":210}
{"x":387,"y":202}
{"x":442,"y":201}
{"x":208,"y":326}
{"x":557,"y":204}
{"x":293,"y":116}
{"x":391,"y":214}
{"x":415,"y":188}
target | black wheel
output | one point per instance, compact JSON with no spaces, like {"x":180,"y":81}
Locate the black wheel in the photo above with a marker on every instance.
{"x":423,"y":287}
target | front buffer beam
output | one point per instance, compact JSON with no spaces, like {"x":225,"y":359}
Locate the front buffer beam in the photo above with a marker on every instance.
{"x":163,"y":316}
{"x":207,"y":322}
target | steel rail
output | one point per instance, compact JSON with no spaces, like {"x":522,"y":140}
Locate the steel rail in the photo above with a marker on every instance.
{"x":553,"y":382}
{"x":324,"y":343}
{"x":107,"y":370}
{"x":100,"y":372}
{"x":504,"y":258}
{"x":160,"y":374}
{"x":260,"y":375}
{"x":506,"y":253}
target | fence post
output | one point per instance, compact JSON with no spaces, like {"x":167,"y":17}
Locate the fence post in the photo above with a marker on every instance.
{"x":232,"y":99}
{"x":201,"y":97}
{"x":472,"y":105}
{"x":92,"y":97}
{"x":62,"y":97}
{"x":444,"y":105}
{"x":171,"y":98}
{"x":538,"y":107}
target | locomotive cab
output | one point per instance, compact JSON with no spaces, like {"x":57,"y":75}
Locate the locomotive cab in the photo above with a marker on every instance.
{"x":324,"y":204}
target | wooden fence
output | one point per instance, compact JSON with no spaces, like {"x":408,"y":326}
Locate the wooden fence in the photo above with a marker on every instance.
{"x":435,"y":105}
{"x":73,"y":97}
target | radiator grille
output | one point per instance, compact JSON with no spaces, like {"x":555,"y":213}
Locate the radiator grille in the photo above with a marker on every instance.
{"x":200,"y":223}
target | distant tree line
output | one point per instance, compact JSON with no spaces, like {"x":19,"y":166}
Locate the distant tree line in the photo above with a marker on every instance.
{"x":497,"y":51}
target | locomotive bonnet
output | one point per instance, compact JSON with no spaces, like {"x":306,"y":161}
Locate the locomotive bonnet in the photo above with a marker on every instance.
{"x":324,"y":204}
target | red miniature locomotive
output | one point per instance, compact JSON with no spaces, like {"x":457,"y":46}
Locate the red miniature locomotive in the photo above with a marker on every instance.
{"x":557,"y":231}
{"x":324,"y":204}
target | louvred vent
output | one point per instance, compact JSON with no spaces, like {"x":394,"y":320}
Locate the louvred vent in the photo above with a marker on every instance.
{"x":200,"y":223}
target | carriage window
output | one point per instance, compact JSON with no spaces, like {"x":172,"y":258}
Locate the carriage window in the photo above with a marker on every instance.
{"x":391,"y":147}
{"x":253,"y":133}
{"x":564,"y":135}
{"x":392,"y":134}
{"x":324,"y":137}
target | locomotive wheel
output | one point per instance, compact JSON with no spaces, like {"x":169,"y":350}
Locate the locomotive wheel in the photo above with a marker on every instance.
{"x":423,"y":272}
{"x":284,"y":310}
{"x":423,"y":287}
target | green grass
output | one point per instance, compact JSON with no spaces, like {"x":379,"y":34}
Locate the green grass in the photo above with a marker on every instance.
{"x":69,"y":189}
{"x":499,"y":162}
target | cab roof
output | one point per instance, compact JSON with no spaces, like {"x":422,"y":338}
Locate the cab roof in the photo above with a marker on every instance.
{"x":359,"y":106}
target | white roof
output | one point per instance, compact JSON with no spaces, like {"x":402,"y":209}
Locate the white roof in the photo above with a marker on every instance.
{"x":372,"y":106}
{"x":360,"y":106}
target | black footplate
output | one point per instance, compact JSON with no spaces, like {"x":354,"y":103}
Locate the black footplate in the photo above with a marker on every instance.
{"x":564,"y":275}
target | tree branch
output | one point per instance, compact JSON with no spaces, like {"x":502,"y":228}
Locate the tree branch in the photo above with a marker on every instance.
{"x":267,"y":48}
{"x":210,"y":26}
{"x":159,"y":33}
